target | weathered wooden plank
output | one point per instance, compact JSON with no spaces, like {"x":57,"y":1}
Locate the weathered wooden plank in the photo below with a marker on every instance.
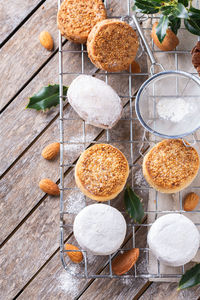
{"x":19,"y":188}
{"x":44,"y":217}
{"x":18,"y":126}
{"x":119,"y":288}
{"x":13,"y":209}
{"x":28,"y":186}
{"x":168,"y":291}
{"x":33,"y":243}
{"x":36,"y":237}
{"x":12,"y":15}
{"x":17,"y":184}
{"x":13,"y":140}
{"x":26,"y":54}
{"x":33,"y":123}
{"x":22,"y":55}
{"x":29,"y":248}
{"x":54,"y":281}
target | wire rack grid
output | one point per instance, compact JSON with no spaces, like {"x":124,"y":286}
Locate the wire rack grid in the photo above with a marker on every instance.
{"x":130,"y":143}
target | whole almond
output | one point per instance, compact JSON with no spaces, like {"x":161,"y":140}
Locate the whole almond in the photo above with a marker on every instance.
{"x":51,"y":151}
{"x":46,"y":40}
{"x":170,"y":41}
{"x":191,"y":201}
{"x":135,"y":67}
{"x":49,"y":187}
{"x":76,"y":257}
{"x":124,"y":262}
{"x":198,"y":70}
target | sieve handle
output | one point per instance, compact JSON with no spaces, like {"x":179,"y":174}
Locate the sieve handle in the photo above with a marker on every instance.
{"x":149,"y":52}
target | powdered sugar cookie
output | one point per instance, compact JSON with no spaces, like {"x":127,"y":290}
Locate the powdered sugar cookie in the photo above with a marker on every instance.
{"x":173,"y":239}
{"x":95,"y":101}
{"x":100,"y":229}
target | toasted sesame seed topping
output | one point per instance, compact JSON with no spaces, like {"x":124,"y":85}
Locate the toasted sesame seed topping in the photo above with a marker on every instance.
{"x":171,"y":164}
{"x":77,"y":17}
{"x":102,"y":169}
{"x":112,"y":45}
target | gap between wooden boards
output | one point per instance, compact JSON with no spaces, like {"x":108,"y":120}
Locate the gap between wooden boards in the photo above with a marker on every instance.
{"x":57,"y":251}
{"x":32,"y":77}
{"x":43,"y":198}
{"x":21,"y":23}
{"x":58,"y":181}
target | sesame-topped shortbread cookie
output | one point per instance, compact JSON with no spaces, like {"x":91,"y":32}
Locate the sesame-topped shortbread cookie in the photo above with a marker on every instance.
{"x":170,"y":165}
{"x":112,"y":45}
{"x":76,"y":18}
{"x":101,"y":172}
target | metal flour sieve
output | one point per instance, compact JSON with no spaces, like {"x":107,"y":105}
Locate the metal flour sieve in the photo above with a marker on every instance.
{"x":168,"y":103}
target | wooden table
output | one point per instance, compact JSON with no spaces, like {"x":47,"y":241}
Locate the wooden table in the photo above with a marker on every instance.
{"x":30,"y":263}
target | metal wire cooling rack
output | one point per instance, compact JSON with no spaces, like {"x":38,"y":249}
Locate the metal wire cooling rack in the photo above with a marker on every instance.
{"x":140,"y":269}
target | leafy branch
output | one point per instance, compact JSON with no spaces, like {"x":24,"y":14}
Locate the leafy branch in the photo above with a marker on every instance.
{"x":171,"y":12}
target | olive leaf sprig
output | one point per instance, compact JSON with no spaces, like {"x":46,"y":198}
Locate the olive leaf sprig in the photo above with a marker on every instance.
{"x":171,"y":12}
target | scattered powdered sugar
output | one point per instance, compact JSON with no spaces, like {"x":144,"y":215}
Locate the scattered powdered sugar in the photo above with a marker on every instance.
{"x":90,"y":258}
{"x":173,"y":110}
{"x":68,"y":282}
{"x":127,"y":281}
{"x":188,"y":294}
{"x":139,"y":178}
{"x":75,"y":202}
{"x":141,"y":266}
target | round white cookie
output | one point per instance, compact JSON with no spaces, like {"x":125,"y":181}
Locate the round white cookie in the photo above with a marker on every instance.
{"x":95,"y":101}
{"x":100,"y":229}
{"x":173,"y":239}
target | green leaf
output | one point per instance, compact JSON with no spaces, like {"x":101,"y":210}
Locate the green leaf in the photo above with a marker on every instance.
{"x":190,"y":278}
{"x":184,"y":2}
{"x":134,"y":7}
{"x":166,"y":10}
{"x":155,"y":2}
{"x":193,"y":25}
{"x":133,"y":205}
{"x":180,"y":11}
{"x":174,"y":24}
{"x":46,"y":98}
{"x":148,"y":7}
{"x":194,"y":13}
{"x":162,"y":28}
{"x":171,"y":11}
